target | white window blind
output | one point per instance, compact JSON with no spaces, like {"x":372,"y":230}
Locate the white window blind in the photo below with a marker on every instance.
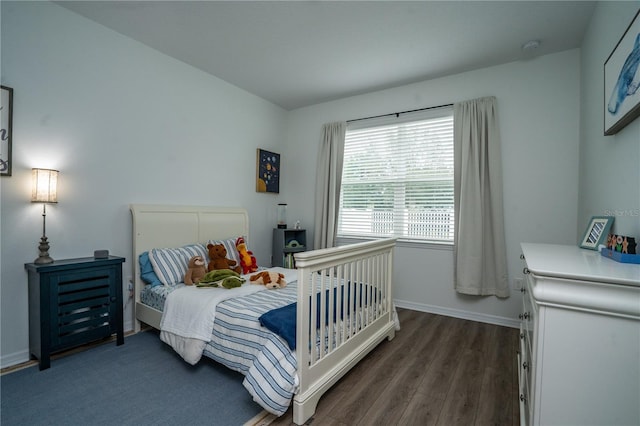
{"x":397,"y":178}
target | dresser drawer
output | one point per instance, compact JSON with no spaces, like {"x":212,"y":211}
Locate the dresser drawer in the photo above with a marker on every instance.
{"x":524,"y":364}
{"x":529,"y":314}
{"x":523,"y":396}
{"x":526,"y":360}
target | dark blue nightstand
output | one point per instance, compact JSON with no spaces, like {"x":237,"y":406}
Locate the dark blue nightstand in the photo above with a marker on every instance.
{"x":73,"y":302}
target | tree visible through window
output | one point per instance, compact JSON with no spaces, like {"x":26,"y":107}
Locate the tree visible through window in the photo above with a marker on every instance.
{"x":397,"y":178}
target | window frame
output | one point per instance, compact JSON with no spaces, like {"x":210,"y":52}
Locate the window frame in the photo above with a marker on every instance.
{"x":398,"y":119}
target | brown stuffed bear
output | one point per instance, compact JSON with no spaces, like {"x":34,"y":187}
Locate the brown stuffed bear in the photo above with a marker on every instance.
{"x":271,"y":280}
{"x":218,"y":259}
{"x":196,"y":270}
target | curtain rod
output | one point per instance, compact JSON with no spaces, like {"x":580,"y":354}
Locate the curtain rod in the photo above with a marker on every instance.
{"x":397,"y":114}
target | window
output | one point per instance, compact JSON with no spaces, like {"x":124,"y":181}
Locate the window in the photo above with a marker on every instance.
{"x":397,"y":178}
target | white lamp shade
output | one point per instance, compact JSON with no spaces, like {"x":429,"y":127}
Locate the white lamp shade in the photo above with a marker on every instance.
{"x":44,"y":186}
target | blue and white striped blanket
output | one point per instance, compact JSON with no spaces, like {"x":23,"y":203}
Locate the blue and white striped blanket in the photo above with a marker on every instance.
{"x":239,"y":342}
{"x":189,"y":314}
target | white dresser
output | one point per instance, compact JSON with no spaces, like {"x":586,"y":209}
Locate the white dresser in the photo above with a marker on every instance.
{"x":580,"y":338}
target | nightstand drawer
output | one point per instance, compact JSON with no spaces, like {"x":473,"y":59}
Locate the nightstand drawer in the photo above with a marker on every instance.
{"x":82,"y":306}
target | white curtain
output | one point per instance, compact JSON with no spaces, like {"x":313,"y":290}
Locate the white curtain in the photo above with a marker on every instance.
{"x":480,"y":254}
{"x":328,"y":180}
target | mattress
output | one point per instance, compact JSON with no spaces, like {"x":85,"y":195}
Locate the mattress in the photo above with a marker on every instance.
{"x":154,"y":296}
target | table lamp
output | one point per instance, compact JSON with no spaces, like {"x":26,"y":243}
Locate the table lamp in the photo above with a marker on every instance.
{"x":44,"y":190}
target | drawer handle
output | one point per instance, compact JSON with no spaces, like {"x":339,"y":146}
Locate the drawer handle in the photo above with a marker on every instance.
{"x":523,"y":290}
{"x":525,"y":271}
{"x":524,"y":316}
{"x":522,"y":398}
{"x":525,"y":365}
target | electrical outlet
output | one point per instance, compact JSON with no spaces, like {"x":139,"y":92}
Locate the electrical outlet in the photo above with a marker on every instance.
{"x":518,"y":283}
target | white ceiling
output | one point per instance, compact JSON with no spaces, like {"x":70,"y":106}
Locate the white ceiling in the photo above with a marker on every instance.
{"x":299,"y":53}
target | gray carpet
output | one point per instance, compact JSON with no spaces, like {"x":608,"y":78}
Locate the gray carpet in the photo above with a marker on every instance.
{"x":142,"y":382}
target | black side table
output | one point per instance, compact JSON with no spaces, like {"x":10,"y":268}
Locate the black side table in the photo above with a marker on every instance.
{"x":73,"y":302}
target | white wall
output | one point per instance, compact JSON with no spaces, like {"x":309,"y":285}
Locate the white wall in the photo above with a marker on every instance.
{"x":538,"y":104}
{"x":127,"y":124}
{"x":609,"y":165}
{"x":123,"y":124}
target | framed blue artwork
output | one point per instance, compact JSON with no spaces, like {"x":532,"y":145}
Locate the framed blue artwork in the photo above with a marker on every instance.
{"x":268,"y":172}
{"x":622,"y":81}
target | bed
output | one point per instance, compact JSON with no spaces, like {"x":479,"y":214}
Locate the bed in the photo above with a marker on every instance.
{"x":349,"y":288}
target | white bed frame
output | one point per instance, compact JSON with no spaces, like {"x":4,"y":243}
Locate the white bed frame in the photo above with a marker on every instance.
{"x":364,"y":267}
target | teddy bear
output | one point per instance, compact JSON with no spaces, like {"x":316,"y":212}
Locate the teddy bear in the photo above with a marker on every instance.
{"x":271,"y":280}
{"x":218,"y":258}
{"x":195,"y":271}
{"x":247,"y":260}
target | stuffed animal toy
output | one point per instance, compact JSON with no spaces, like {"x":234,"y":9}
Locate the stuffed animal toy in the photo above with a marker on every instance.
{"x":218,"y":259}
{"x":269,"y":279}
{"x":247,"y":260}
{"x":221,"y":278}
{"x":196,"y":270}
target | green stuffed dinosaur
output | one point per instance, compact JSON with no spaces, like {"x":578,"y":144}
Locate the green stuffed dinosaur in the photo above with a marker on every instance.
{"x":221,"y":278}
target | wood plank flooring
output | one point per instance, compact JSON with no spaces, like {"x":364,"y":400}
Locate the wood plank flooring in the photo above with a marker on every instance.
{"x":437,"y":371}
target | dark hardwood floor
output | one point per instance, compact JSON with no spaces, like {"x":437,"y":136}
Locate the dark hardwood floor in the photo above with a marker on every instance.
{"x":437,"y":371}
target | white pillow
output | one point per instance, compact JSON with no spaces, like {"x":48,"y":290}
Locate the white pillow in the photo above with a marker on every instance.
{"x":170,"y":264}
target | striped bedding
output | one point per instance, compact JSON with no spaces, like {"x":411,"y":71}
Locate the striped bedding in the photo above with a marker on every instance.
{"x":242,"y":344}
{"x":239,"y":342}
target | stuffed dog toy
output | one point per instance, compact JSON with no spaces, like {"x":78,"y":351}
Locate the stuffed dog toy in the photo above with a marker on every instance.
{"x":271,"y":280}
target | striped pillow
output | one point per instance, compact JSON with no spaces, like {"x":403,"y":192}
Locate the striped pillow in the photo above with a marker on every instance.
{"x":170,"y":264}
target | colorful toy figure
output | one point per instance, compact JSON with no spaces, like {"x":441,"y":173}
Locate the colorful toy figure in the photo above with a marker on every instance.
{"x":247,"y":260}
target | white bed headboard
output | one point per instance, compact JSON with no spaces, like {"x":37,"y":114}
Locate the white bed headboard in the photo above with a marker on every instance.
{"x":166,"y":226}
{"x":161,"y":226}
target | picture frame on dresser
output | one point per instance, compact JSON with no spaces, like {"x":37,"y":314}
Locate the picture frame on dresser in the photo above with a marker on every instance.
{"x":596,"y":232}
{"x":621,"y":76}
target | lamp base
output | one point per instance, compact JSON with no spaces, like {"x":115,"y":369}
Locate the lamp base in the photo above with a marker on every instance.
{"x":43,"y":257}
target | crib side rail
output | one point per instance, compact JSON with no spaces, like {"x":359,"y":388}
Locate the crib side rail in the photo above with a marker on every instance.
{"x":345,"y":308}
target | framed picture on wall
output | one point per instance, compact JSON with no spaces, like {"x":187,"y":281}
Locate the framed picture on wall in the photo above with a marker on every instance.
{"x":268,"y":171}
{"x":622,"y":81}
{"x":596,"y":232}
{"x":6,"y":124}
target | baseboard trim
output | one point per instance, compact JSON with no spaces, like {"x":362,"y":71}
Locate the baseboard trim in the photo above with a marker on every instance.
{"x":23,"y":356}
{"x":14,"y":359}
{"x":458,"y":313}
{"x":23,"y":359}
{"x":261,"y":419}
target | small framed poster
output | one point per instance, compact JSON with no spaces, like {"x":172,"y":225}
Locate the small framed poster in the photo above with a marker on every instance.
{"x":6,"y":124}
{"x":596,"y":232}
{"x":268,"y":172}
